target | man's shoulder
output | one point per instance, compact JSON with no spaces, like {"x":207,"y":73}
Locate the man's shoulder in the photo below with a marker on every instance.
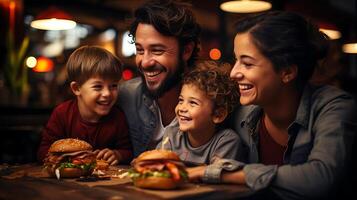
{"x":132,"y":85}
{"x":130,"y":90}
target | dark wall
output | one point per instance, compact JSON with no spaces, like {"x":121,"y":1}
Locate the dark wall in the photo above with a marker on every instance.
{"x":20,"y":130}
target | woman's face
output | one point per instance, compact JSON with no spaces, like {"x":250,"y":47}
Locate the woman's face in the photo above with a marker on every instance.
{"x":258,"y":82}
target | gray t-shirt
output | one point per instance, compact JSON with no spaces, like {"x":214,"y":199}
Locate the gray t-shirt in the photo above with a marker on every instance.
{"x":223,"y":144}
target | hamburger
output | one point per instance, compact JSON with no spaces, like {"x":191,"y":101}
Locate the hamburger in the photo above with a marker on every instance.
{"x":70,"y":158}
{"x":158,"y":169}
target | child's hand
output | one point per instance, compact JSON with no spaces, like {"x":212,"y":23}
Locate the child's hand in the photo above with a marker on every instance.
{"x":113,"y":157}
{"x":195,"y":174}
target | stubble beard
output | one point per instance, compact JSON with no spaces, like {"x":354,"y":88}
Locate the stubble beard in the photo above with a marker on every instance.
{"x":170,"y":81}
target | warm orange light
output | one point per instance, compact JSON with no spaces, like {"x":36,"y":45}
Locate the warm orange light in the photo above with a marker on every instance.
{"x":127,"y":74}
{"x":245,"y":6}
{"x":53,"y":19}
{"x":215,"y":54}
{"x":329,"y":29}
{"x":43,"y":65}
{"x":12,"y":6}
{"x":350,"y":48}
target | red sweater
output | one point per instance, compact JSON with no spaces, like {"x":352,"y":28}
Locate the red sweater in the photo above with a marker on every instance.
{"x":66,"y":122}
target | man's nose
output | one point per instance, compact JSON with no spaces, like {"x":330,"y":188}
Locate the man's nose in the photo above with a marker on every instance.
{"x":147,"y":60}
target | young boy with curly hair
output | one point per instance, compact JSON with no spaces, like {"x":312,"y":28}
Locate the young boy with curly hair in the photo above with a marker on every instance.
{"x":94,"y":75}
{"x":207,"y":97}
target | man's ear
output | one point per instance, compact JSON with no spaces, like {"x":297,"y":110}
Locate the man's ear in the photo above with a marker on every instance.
{"x":188,"y":50}
{"x":219,"y":115}
{"x":75,"y":88}
{"x":288,"y":74}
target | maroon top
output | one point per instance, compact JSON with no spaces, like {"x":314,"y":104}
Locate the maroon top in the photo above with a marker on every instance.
{"x":271,"y":153}
{"x":66,"y":122}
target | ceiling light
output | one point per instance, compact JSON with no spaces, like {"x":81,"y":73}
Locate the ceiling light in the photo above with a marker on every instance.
{"x":332,"y":34}
{"x":350,"y":48}
{"x":245,"y":6}
{"x":53,"y":19}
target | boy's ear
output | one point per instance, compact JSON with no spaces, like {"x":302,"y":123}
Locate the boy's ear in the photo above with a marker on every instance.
{"x":288,"y":74}
{"x":219,"y":115}
{"x":75,"y":88}
{"x":188,"y":50}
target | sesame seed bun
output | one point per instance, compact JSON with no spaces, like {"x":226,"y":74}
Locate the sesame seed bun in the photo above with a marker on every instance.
{"x":69,"y":145}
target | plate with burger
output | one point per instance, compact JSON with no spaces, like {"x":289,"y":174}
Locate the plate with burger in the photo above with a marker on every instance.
{"x":70,"y":158}
{"x":158,"y":169}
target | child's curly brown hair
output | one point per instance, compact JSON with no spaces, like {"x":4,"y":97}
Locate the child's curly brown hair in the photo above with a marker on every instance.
{"x":214,"y":80}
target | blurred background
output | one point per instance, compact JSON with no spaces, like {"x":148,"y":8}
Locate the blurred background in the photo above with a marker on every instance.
{"x":33,"y":55}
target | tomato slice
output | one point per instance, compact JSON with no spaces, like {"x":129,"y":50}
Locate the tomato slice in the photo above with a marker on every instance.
{"x":77,"y":162}
{"x":174,"y":171}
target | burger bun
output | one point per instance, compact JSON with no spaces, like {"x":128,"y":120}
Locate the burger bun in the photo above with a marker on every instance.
{"x":69,"y":145}
{"x":158,"y":154}
{"x":159,"y":183}
{"x":69,"y":172}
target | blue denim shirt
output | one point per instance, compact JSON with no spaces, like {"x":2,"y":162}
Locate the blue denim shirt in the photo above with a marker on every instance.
{"x":141,"y":113}
{"x":319,"y":145}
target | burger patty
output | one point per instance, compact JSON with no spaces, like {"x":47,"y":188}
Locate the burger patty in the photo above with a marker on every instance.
{"x":155,"y":165}
{"x":76,"y":158}
{"x":159,"y":168}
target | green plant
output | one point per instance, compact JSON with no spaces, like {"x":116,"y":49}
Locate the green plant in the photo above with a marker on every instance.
{"x":15,"y":71}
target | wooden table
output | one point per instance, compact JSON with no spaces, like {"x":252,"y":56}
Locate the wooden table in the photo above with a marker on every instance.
{"x":28,"y":182}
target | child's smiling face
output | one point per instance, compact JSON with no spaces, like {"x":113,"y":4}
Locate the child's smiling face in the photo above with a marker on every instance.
{"x":96,"y":97}
{"x":194,"y":110}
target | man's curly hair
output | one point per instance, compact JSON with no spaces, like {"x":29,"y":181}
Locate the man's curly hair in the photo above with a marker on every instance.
{"x":214,"y":80}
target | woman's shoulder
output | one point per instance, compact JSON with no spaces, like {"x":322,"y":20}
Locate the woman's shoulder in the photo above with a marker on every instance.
{"x":328,"y":91}
{"x":330,"y":99}
{"x":243,"y":115}
{"x":241,"y":112}
{"x":326,"y":94}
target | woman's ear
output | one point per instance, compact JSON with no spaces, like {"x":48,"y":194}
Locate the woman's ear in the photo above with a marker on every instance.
{"x":75,"y":88}
{"x":288,"y":74}
{"x":219,"y":115}
{"x":188,"y":50}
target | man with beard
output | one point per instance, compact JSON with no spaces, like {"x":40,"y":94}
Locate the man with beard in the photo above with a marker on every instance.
{"x":165,"y":34}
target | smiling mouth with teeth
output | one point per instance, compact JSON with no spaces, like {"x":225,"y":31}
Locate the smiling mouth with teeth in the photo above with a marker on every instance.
{"x":152,"y":74}
{"x":104,"y":103}
{"x":182,"y":118}
{"x":245,"y":86}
